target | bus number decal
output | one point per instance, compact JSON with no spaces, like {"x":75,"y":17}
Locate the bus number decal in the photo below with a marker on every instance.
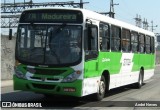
{"x":126,"y":62}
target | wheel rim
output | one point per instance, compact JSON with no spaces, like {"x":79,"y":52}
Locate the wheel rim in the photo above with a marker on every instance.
{"x":102,"y":88}
{"x":140,"y":79}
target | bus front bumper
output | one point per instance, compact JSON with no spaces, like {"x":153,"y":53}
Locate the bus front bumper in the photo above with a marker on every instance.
{"x":69,"y":89}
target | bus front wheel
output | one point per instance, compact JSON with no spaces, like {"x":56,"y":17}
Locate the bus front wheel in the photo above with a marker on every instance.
{"x":102,"y":87}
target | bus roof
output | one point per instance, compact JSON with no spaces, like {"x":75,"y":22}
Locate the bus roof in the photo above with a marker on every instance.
{"x":103,"y":18}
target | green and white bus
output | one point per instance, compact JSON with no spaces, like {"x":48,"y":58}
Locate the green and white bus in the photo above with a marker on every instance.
{"x":77,"y":52}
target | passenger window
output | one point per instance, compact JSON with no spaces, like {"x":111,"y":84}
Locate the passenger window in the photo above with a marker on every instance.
{"x":126,"y":38}
{"x":104,"y":40}
{"x":134,"y":42}
{"x":148,"y":48}
{"x":141,"y":43}
{"x":115,"y":38}
{"x":152,"y":45}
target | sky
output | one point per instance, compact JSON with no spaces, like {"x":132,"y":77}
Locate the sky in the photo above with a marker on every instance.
{"x":126,"y":10}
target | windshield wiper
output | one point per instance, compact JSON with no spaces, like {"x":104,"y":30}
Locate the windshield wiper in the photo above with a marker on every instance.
{"x":57,"y":58}
{"x":53,"y":34}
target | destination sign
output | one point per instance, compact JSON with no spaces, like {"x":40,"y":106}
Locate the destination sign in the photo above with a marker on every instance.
{"x":51,"y":16}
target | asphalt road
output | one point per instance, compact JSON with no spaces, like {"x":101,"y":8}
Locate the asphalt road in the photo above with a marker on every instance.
{"x":123,"y":98}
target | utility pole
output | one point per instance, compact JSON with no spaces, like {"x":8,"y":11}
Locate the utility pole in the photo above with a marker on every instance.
{"x":14,"y":4}
{"x":152,"y":26}
{"x":81,"y":3}
{"x":111,"y":12}
{"x":4,"y":5}
{"x":145,"y":24}
{"x":24,"y":4}
{"x":138,"y":21}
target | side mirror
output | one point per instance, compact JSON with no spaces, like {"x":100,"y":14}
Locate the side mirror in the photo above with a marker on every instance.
{"x":88,"y":22}
{"x":10,"y":34}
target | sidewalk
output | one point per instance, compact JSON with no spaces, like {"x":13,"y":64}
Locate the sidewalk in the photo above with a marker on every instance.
{"x":10,"y":82}
{"x":6,"y":83}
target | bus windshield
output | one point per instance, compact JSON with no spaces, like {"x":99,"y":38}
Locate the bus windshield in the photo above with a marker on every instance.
{"x":49,"y":44}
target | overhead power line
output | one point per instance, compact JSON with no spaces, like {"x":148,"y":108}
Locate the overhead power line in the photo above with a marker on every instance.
{"x":9,"y":11}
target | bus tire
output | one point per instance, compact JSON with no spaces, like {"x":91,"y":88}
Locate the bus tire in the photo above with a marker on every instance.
{"x":102,"y":89}
{"x":140,"y":80}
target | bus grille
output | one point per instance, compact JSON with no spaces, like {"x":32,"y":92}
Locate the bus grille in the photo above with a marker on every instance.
{"x":45,"y":71}
{"x":43,"y":86}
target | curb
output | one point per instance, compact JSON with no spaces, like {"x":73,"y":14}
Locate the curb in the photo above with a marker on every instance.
{"x":6,"y":83}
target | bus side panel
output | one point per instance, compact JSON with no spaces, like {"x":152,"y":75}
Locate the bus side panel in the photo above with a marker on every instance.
{"x":111,"y":61}
{"x":135,"y":62}
{"x":153,"y":57}
{"x":115,"y":62}
{"x":147,"y":61}
{"x":91,"y":77}
{"x":94,"y":69}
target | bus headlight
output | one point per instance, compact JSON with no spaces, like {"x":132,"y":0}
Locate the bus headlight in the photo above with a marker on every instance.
{"x":72,"y":77}
{"x":19,"y":74}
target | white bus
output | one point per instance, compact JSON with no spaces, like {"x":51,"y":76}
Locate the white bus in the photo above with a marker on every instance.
{"x":77,"y":52}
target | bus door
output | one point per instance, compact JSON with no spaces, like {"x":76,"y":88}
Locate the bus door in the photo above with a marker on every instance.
{"x":91,"y":51}
{"x":90,"y":84}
